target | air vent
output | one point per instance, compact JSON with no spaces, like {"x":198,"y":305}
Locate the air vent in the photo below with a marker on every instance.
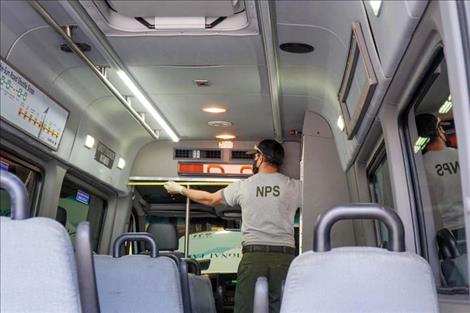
{"x":183,"y":154}
{"x":195,"y":154}
{"x":240,"y":155}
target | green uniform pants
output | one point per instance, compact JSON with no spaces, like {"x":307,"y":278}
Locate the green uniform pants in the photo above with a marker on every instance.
{"x":274,"y":266}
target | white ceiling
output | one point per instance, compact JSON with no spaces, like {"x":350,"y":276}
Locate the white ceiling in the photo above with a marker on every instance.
{"x":166,"y":67}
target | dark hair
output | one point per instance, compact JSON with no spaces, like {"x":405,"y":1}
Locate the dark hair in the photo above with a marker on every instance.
{"x":272,"y":151}
{"x":427,"y":125}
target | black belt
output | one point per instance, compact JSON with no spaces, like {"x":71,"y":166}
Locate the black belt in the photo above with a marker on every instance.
{"x":266,"y":248}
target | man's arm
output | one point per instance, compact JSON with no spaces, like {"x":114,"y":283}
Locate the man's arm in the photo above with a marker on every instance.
{"x":203,"y":197}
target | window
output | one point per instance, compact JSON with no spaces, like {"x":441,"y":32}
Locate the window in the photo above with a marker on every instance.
{"x":29,"y":175}
{"x":76,"y":205}
{"x":434,"y":149}
{"x":380,"y":189}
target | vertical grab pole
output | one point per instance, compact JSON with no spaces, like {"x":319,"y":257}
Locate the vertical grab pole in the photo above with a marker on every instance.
{"x":186,"y":228}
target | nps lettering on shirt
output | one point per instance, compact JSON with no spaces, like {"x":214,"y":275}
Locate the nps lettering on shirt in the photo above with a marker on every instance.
{"x":265,"y":191}
{"x":449,"y":168}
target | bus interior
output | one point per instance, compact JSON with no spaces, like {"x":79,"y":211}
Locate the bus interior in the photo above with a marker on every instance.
{"x":102,"y":102}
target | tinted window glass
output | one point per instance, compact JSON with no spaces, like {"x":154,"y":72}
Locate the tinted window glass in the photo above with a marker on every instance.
{"x":436,"y":161}
{"x":76,"y":205}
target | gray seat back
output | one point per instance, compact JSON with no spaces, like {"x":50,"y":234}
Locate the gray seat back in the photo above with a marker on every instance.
{"x":202,"y":299}
{"x":166,"y":235}
{"x":37,"y":264}
{"x":138,"y":283}
{"x":359,"y":279}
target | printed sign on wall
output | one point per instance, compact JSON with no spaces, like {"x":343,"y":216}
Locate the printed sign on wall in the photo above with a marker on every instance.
{"x":29,"y":109}
{"x":104,"y":155}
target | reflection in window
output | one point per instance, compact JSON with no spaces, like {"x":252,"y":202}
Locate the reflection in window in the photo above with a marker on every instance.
{"x":437,"y":161}
{"x":29,"y":176}
{"x":77,"y":205}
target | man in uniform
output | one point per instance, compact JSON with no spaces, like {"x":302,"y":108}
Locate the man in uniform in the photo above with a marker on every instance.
{"x":268,"y":201}
{"x":442,"y":167}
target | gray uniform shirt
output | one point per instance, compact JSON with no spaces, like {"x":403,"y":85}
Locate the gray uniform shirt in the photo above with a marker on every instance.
{"x":268,"y":203}
{"x":443,"y":173}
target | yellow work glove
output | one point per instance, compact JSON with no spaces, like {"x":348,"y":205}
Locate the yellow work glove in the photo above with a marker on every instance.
{"x":173,"y":187}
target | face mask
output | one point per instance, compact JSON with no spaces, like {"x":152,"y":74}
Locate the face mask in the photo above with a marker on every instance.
{"x":444,"y":137}
{"x":255,"y":168}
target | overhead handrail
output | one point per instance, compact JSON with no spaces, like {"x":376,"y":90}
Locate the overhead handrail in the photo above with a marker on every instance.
{"x":73,"y":46}
{"x":19,"y":207}
{"x":86,"y":270}
{"x":141,"y":236}
{"x":326,"y":220}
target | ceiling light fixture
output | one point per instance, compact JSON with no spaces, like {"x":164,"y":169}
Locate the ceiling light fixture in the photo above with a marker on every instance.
{"x":214,"y":110}
{"x":446,"y":106}
{"x":421,"y":143}
{"x":225,"y":136}
{"x":89,"y":141}
{"x":226,"y":144}
{"x":376,"y":5}
{"x":121,"y":163}
{"x":148,"y":106}
{"x":219,"y":123}
{"x":340,"y":123}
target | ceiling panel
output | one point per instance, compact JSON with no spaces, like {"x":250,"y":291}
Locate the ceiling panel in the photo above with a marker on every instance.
{"x":333,"y":16}
{"x":180,"y":80}
{"x":251,"y":115}
{"x":189,"y":50}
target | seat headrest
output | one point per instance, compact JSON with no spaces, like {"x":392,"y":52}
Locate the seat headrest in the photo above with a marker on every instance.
{"x":447,"y":244}
{"x":166,"y":236}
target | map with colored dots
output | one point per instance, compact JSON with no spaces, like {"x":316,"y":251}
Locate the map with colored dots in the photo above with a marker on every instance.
{"x":26,"y":107}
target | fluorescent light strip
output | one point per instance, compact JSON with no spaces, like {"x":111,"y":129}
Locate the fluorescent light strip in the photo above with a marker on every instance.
{"x":340,"y":123}
{"x":148,"y":106}
{"x":376,"y":5}
{"x":447,"y":106}
{"x":421,"y":143}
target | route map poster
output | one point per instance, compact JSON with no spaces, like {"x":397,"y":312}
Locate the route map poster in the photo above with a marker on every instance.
{"x":26,"y":107}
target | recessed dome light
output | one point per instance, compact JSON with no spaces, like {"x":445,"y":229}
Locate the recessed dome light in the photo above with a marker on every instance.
{"x":220,"y":123}
{"x":225,"y":136}
{"x":296,"y":47}
{"x":214,"y":110}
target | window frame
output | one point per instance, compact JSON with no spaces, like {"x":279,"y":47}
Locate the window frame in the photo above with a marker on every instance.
{"x":96,"y":192}
{"x":379,"y":154}
{"x":36,"y":198}
{"x":417,"y":189}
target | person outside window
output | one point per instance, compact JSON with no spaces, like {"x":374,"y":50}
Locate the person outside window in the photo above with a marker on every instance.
{"x":442,"y":167}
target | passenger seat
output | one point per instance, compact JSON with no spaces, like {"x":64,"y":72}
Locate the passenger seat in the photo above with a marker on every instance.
{"x":139,"y":283}
{"x":358,"y":279}
{"x":37,"y":265}
{"x":200,"y":287}
{"x":453,"y":264}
